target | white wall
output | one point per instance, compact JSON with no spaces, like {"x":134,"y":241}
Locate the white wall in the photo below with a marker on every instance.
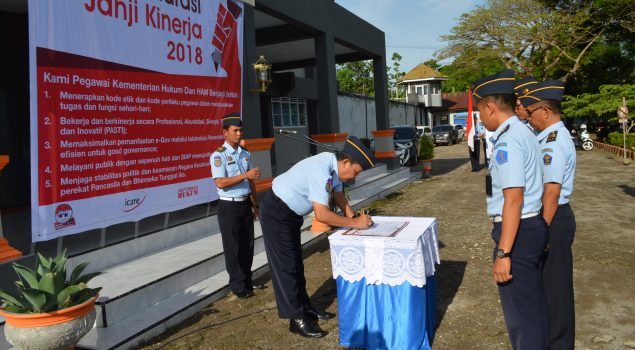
{"x":357,"y":115}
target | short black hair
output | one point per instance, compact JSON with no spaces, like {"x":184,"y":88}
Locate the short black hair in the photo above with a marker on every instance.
{"x":554,"y":105}
{"x":345,"y":156}
{"x":503,"y":101}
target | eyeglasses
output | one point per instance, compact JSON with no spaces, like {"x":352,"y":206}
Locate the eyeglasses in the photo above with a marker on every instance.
{"x":529,"y":112}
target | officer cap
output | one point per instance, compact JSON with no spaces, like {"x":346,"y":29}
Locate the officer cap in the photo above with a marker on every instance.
{"x":523,"y":86}
{"x":356,"y":149}
{"x":547,"y":90}
{"x":232,"y":119}
{"x":501,"y":83}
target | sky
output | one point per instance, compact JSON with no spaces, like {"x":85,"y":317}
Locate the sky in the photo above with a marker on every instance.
{"x":412,"y":27}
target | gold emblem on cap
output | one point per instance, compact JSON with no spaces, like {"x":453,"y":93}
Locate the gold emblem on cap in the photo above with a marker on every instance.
{"x":525,"y":91}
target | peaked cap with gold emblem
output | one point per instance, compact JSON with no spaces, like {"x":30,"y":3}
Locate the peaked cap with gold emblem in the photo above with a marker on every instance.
{"x":501,"y":83}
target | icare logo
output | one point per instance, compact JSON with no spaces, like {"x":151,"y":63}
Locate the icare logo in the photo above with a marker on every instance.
{"x":64,"y":216}
{"x":130,"y":204}
{"x":186,"y":192}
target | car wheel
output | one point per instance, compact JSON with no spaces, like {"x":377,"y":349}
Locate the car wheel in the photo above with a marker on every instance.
{"x":414,"y":159}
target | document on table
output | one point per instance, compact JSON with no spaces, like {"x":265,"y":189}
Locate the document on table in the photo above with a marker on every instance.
{"x":379,"y":229}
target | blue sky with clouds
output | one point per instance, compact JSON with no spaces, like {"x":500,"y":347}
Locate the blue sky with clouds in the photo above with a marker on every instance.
{"x":412,"y":27}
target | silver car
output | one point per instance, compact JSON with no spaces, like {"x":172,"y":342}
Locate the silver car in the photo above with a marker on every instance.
{"x":444,"y":134}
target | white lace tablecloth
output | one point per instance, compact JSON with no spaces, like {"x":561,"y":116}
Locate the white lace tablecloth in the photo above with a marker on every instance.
{"x":409,"y":256}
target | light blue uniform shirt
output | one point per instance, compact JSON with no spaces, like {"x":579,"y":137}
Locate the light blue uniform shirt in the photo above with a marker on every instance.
{"x":558,"y":159}
{"x":310,"y":180}
{"x":227,"y":162}
{"x":514,"y":163}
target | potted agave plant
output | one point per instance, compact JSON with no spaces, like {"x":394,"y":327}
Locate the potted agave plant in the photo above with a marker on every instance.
{"x":49,"y":311}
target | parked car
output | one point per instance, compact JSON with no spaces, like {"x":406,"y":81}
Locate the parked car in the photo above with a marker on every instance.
{"x":405,"y":143}
{"x":424,"y":130}
{"x":444,"y":134}
{"x":460,"y":132}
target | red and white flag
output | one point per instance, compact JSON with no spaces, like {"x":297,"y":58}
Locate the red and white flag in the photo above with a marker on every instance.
{"x":470,"y":122}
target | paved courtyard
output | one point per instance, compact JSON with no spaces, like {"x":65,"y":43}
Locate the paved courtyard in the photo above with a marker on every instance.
{"x":468,"y":311}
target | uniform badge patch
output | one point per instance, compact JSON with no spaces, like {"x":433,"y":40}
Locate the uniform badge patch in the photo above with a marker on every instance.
{"x":547,"y":159}
{"x":499,"y":145}
{"x":329,"y":185}
{"x":501,"y":157}
{"x":230,"y":158}
{"x":217,"y":161}
{"x":552,"y":136}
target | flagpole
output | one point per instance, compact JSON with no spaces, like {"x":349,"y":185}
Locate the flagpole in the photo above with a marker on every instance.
{"x":470,"y":122}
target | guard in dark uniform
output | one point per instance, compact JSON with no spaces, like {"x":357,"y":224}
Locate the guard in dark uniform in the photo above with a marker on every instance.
{"x":304,"y":188}
{"x":514,"y":191}
{"x":558,"y":159}
{"x":234,"y":177}
{"x":474,"y":154}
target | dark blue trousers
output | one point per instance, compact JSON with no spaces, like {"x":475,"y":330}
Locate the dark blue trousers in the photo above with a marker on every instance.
{"x":236,"y":222}
{"x":557,"y":277}
{"x":281,"y":232}
{"x":523,"y":298}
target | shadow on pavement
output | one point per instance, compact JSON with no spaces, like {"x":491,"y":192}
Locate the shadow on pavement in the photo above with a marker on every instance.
{"x":324,"y":295}
{"x":444,"y":166}
{"x":628,"y":190}
{"x":449,"y":277}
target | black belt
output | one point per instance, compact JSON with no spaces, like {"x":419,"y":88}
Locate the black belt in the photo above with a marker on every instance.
{"x":563,"y":205}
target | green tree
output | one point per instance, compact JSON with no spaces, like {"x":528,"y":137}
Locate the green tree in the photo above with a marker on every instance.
{"x":394,"y":74}
{"x":356,"y":77}
{"x":527,"y":35}
{"x":467,"y":68}
{"x":603,"y":104}
{"x":432,"y":63}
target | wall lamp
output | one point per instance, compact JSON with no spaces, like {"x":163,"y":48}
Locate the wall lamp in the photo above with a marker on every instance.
{"x":262,"y":68}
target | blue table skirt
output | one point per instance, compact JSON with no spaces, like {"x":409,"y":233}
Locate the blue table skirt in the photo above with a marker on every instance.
{"x":384,"y":317}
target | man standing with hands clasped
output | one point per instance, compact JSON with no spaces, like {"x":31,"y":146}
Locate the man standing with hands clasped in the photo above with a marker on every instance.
{"x":558,"y":161}
{"x":304,"y":188}
{"x":234,"y":177}
{"x":514,"y":191}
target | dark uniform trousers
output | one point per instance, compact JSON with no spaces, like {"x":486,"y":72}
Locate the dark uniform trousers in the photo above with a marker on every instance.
{"x":557,"y":277}
{"x":281,"y":231}
{"x":236,"y":222}
{"x":474,"y":155}
{"x":523,"y":298}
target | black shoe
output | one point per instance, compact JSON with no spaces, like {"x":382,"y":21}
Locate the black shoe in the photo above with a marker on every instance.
{"x":245,"y":294}
{"x":306,"y":328}
{"x":314,"y":313}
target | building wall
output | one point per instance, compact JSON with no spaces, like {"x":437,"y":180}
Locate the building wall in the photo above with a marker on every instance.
{"x":357,"y":114}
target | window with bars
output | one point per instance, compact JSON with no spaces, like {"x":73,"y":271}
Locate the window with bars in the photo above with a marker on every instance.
{"x":288,"y":112}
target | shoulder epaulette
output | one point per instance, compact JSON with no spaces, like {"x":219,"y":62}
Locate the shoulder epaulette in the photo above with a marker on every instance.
{"x":552,"y":136}
{"x":220,"y":149}
{"x":244,"y":148}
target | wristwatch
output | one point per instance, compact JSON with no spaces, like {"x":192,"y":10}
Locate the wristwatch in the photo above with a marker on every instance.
{"x":501,"y":254}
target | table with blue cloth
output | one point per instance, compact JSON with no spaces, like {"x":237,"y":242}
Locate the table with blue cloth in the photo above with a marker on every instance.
{"x":386,"y":285}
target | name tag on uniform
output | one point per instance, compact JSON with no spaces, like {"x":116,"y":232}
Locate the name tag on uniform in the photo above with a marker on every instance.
{"x":488,"y":185}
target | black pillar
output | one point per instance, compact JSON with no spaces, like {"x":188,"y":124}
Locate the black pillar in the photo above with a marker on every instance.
{"x":328,"y":116}
{"x":252,"y":118}
{"x":381,"y":92}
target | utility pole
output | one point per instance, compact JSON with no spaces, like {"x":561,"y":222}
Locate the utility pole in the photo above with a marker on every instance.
{"x":622,"y":113}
